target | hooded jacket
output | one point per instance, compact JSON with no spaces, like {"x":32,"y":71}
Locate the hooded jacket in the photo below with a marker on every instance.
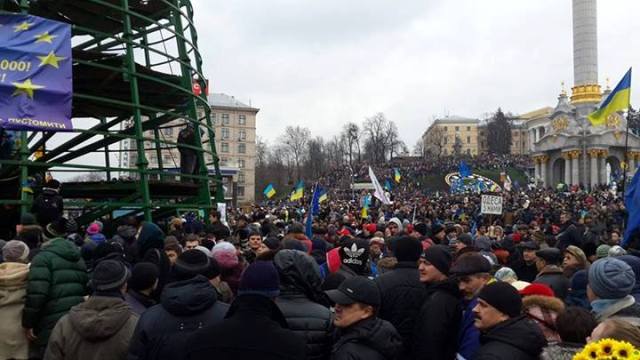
{"x":544,"y":310}
{"x":254,"y":328}
{"x":97,"y":329}
{"x":514,"y":339}
{"x":57,"y":282}
{"x":438,"y":323}
{"x":13,"y":289}
{"x":185,"y":307}
{"x":369,"y":339}
{"x":299,"y":301}
{"x":402,"y":296}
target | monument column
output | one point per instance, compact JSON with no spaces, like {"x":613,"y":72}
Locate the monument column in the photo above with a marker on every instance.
{"x":585,"y":91}
{"x":567,"y":168}
{"x":543,"y":169}
{"x":603,"y":166}
{"x":593,"y":154}
{"x":575,"y":167}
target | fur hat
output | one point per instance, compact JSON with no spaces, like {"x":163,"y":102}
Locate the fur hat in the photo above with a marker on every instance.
{"x":225,"y":254}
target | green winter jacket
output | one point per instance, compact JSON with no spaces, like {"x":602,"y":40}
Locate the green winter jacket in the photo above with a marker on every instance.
{"x":57,"y":281}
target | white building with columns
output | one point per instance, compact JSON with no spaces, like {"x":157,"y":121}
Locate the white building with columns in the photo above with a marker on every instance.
{"x":565,"y":147}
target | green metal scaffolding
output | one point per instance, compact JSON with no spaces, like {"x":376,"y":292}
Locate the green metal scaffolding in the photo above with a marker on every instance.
{"x":134,"y":66}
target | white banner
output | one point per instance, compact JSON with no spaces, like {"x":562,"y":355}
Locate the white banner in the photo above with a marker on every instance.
{"x":379,"y":193}
{"x":491,"y":204}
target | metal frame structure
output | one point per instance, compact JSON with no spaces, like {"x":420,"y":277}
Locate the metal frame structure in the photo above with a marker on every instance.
{"x":134,"y":64}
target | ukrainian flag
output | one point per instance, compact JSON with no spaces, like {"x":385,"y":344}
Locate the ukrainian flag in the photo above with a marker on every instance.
{"x":617,"y":100}
{"x":397,"y":176}
{"x":323,"y":196}
{"x":269,"y":191}
{"x":298,"y":191}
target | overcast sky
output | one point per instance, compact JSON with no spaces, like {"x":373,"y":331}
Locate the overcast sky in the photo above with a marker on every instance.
{"x":321,"y":63}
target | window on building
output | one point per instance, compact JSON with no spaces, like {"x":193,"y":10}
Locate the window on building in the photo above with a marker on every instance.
{"x":242,"y":136}
{"x":240,"y":177}
{"x":224,"y":147}
{"x":213,"y":118}
{"x":242,"y":148}
{"x":468,"y":139}
{"x":223,"y":161}
{"x":225,"y":133}
{"x":241,"y":163}
{"x":242,"y":120}
{"x":468,"y":128}
{"x":168,"y":131}
{"x":445,"y":140}
{"x":445,"y":128}
{"x":225,"y":119}
{"x":240,"y":191}
{"x":166,"y":158}
{"x":457,"y":128}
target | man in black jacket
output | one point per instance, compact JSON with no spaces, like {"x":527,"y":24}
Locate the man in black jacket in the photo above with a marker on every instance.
{"x":185,"y":306}
{"x":301,"y":300}
{"x":401,"y":290}
{"x":569,"y":233}
{"x":550,"y":273}
{"x":254,"y":327}
{"x":48,"y":205}
{"x":438,"y":323}
{"x":361,"y":335}
{"x":506,"y":334}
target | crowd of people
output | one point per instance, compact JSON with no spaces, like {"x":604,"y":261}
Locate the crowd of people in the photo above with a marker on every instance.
{"x":428,"y":276}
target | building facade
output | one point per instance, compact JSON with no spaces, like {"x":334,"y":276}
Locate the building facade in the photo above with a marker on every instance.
{"x":451,"y":135}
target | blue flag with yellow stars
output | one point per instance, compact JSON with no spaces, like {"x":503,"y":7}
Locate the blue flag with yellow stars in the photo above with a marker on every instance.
{"x":35,"y":73}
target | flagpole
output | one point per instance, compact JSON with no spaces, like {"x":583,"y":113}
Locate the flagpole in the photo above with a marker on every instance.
{"x":626,"y":150}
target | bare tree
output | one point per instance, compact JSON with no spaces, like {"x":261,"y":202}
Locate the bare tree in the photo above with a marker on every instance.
{"x":376,"y":139}
{"x":316,"y":157}
{"x":436,"y":141}
{"x":296,"y":139}
{"x":262,"y":150}
{"x":392,"y":140}
{"x":419,"y":148}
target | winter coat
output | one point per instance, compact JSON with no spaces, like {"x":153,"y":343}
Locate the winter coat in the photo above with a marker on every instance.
{"x":402,"y":296}
{"x":634,"y":262}
{"x":47,"y":206}
{"x":254,"y":328}
{"x":13,"y":289}
{"x":626,"y":308}
{"x":514,"y":339}
{"x":438,"y":323}
{"x":57,"y":282}
{"x":99,"y":328}
{"x":526,"y":272}
{"x":553,"y":276}
{"x":299,"y":295}
{"x":185,"y":307}
{"x":569,"y":235}
{"x":561,"y":351}
{"x":369,"y":339}
{"x":138,"y":302}
{"x":469,"y":335}
{"x":544,"y":310}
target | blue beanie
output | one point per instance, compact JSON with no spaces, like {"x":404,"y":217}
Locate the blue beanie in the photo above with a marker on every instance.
{"x":260,"y":278}
{"x":610,"y":278}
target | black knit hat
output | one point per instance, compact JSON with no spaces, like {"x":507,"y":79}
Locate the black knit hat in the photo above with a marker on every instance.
{"x":502,"y":296}
{"x":407,"y":248}
{"x":440,"y":257}
{"x":421,"y":228}
{"x":109,"y":275}
{"x":143,"y":276}
{"x":195,"y":262}
{"x":469,"y":264}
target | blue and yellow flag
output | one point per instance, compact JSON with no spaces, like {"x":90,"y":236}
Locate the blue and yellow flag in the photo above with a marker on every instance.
{"x":269,"y":191}
{"x":323,"y":196}
{"x":397,"y":175}
{"x":366,"y":201}
{"x":617,"y":100}
{"x":387,"y":185}
{"x":298,"y":191}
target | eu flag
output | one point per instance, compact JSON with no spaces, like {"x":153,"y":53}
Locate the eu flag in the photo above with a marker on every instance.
{"x":35,"y":73}
{"x":314,"y":209}
{"x":632,"y":203}
{"x":464,"y":170}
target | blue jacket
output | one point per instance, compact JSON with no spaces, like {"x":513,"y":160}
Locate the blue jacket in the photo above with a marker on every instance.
{"x":469,"y":337}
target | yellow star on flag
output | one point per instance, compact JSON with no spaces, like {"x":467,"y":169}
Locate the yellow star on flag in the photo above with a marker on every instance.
{"x":45,"y":37}
{"x":26,"y":87}
{"x":22,"y":26}
{"x":50,"y":59}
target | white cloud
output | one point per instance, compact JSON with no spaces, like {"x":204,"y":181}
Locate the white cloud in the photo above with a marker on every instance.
{"x":321,"y":63}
